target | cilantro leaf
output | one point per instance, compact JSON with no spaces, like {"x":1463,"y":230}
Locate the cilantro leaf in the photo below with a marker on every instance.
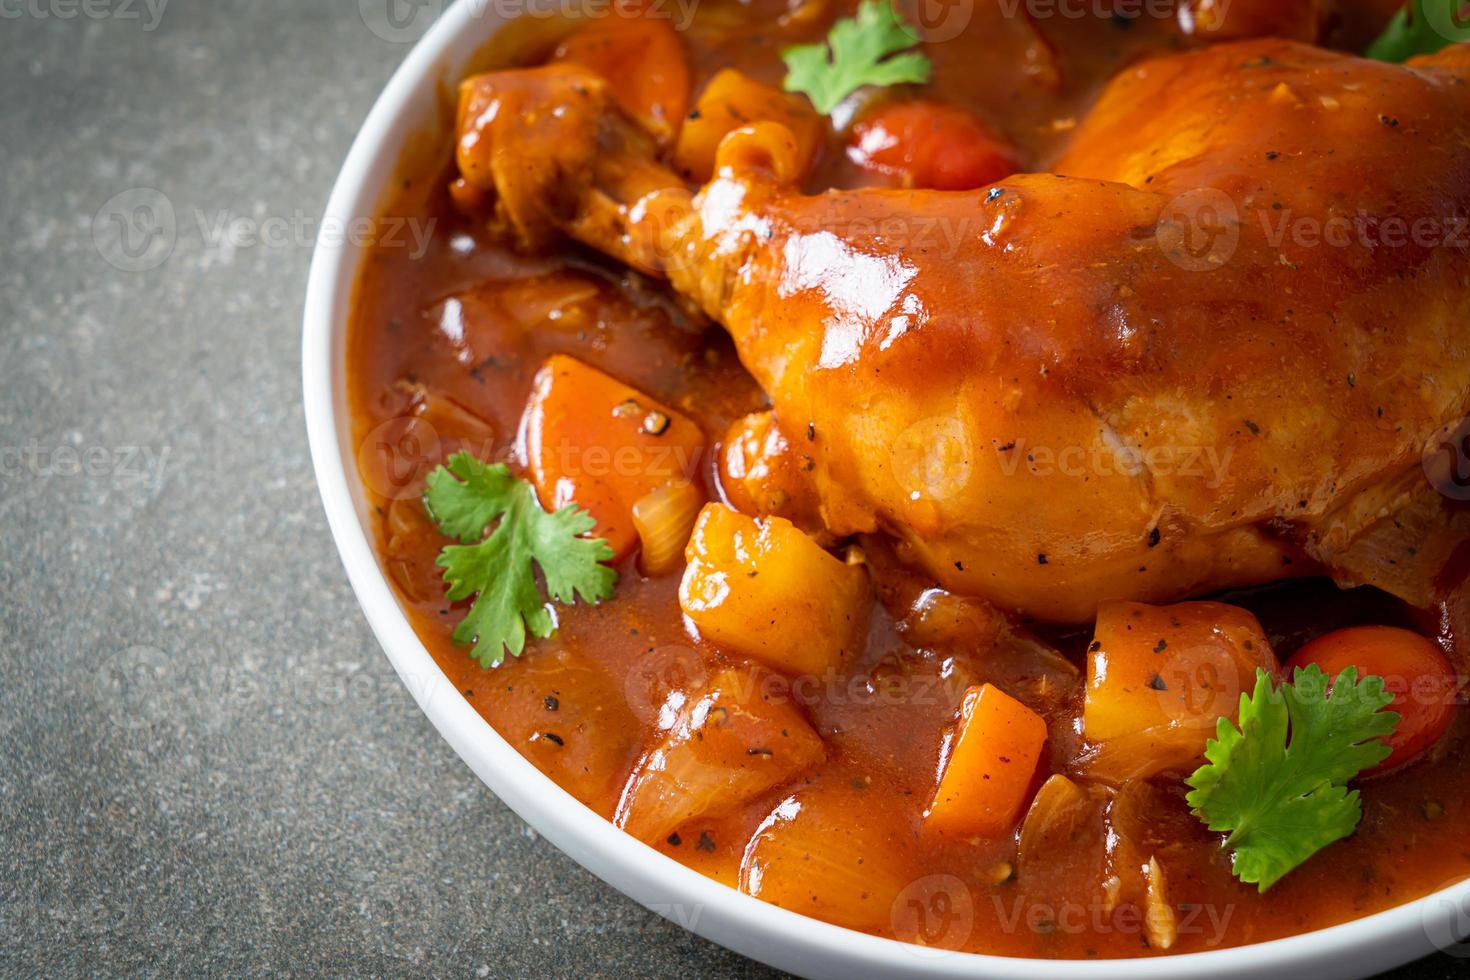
{"x":1421,"y":27}
{"x":1281,"y":800}
{"x":853,"y":56}
{"x":464,"y":498}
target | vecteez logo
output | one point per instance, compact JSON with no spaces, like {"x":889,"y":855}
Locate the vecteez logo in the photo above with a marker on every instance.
{"x":1446,"y":460}
{"x":136,"y":231}
{"x":1199,"y":230}
{"x":1450,"y":21}
{"x":936,"y":21}
{"x":399,"y":21}
{"x":147,"y":12}
{"x":405,"y":21}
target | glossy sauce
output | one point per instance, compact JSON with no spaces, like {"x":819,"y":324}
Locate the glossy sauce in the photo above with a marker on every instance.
{"x":467,"y":324}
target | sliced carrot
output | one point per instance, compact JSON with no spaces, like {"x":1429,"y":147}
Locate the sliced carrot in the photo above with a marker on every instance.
{"x":732,"y":100}
{"x":594,"y":441}
{"x":988,"y":765}
{"x":644,"y":60}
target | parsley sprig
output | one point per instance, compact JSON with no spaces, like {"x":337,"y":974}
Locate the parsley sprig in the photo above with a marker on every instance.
{"x":465,"y":498}
{"x":1277,"y":784}
{"x":1420,"y":27}
{"x":854,"y":55}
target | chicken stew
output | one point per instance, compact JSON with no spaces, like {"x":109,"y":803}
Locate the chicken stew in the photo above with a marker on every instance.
{"x":995,"y":483}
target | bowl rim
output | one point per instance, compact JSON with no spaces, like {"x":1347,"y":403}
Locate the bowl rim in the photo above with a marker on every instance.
{"x":716,"y":911}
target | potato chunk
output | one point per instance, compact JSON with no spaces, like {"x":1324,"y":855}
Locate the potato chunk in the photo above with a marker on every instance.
{"x":809,"y":855}
{"x":585,"y":743}
{"x":988,"y":763}
{"x":765,"y":589}
{"x":729,"y":742}
{"x":1160,"y":677}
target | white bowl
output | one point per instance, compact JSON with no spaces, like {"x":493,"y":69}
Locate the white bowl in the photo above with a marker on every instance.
{"x":764,"y":932}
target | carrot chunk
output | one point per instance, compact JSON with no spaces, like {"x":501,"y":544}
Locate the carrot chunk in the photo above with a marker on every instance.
{"x":987,"y":765}
{"x":594,"y":441}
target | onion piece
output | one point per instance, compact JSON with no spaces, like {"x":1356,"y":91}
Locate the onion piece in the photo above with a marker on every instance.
{"x":1056,"y":813}
{"x":664,"y":520}
{"x":406,"y":520}
{"x":725,"y":745}
{"x":940,"y":617}
{"x":1140,"y":755}
{"x":1160,"y":922}
{"x":547,"y":301}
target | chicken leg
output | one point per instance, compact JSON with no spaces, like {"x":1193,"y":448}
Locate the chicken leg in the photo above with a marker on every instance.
{"x":1215,"y":340}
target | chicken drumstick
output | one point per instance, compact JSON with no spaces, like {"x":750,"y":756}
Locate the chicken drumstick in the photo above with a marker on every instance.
{"x":1210,"y":355}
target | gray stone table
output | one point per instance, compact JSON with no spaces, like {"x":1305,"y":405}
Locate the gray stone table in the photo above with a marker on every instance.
{"x":206,"y":765}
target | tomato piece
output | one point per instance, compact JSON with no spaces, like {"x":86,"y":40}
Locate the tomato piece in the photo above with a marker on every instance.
{"x":1414,"y":671}
{"x":932,"y":145}
{"x":644,"y":60}
{"x":594,"y":441}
